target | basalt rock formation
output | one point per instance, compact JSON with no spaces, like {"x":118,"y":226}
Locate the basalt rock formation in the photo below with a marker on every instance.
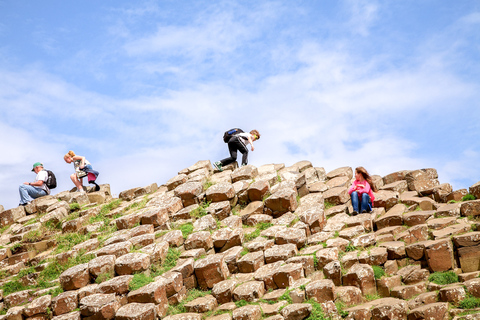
{"x":270,"y":242}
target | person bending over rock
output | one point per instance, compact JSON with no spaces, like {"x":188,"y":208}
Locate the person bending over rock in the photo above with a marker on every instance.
{"x":361,"y":191}
{"x":32,"y":190}
{"x":82,"y":168}
{"x":238,"y":142}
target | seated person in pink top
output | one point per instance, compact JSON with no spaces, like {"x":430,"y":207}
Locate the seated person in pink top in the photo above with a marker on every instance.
{"x":361,"y":191}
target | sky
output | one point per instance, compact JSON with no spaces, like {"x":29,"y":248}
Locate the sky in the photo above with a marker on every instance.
{"x":143,"y":89}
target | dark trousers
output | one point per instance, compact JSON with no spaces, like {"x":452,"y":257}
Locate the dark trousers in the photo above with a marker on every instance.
{"x":235,"y":145}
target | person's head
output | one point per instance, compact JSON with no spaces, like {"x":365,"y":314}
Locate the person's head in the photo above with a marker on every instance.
{"x":69,"y":156}
{"x":37,"y":167}
{"x":255,"y":134}
{"x":362,"y":174}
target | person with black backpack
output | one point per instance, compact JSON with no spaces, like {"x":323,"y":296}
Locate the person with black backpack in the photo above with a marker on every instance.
{"x":32,"y":190}
{"x":237,"y":141}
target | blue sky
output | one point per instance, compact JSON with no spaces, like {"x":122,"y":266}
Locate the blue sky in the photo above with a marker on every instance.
{"x":146,"y":88}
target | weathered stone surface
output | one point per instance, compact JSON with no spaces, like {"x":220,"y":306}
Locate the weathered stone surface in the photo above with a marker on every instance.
{"x":244,"y":173}
{"x":386,"y":199}
{"x":202,"y":239}
{"x":223,"y":291}
{"x":265,"y":274}
{"x":453,"y":293}
{"x":389,"y":308}
{"x":252,"y":312}
{"x":349,"y":295}
{"x":69,"y":316}
{"x":99,"y":306}
{"x":210,"y":271}
{"x":176,"y":181}
{"x":249,"y":291}
{"x":408,"y":291}
{"x":251,"y":262}
{"x":188,"y":192}
{"x":9,"y":216}
{"x":336,"y":196}
{"x":439,"y":255}
{"x":469,"y":258}
{"x":220,"y":210}
{"x":470,"y":208}
{"x":291,"y":235}
{"x":102,"y":265}
{"x":136,"y":311}
{"x":118,"y":285}
{"x":75,"y":277}
{"x":320,"y":291}
{"x":393,"y":217}
{"x":283,"y":200}
{"x":131,"y":263}
{"x":205,"y":223}
{"x":361,"y":276}
{"x":226,"y":238}
{"x":258,"y":190}
{"x":202,"y":304}
{"x":117,"y":249}
{"x":220,"y":192}
{"x":325,"y":256}
{"x":37,"y":306}
{"x":467,"y":240}
{"x":287,"y":274}
{"x":395,"y":249}
{"x":65,"y":302}
{"x":296,"y":311}
{"x":154,"y":292}
{"x":434,"y":311}
{"x":280,"y":252}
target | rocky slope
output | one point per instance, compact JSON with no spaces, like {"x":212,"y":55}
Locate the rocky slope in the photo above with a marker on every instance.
{"x":270,"y":242}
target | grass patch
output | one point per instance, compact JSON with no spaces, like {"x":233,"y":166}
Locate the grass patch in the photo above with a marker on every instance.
{"x":378,"y":272}
{"x":265,"y":196}
{"x":67,"y":241}
{"x":74,"y":206}
{"x":139,"y":280}
{"x":241,"y":303}
{"x":244,"y":252}
{"x":286,"y":296}
{"x":328,"y":205}
{"x":34,"y":235}
{"x":191,"y":295}
{"x":4,"y":228}
{"x":170,"y":261}
{"x":317,"y":311}
{"x":340,"y":308}
{"x":279,"y":179}
{"x":470,"y":302}
{"x":259,"y":228}
{"x":468,"y":197}
{"x":442,"y":278}
{"x":350,"y":248}
{"x":186,"y":229}
{"x":200,"y":211}
{"x":371,"y":297}
{"x":102,"y":277}
{"x":207,"y":184}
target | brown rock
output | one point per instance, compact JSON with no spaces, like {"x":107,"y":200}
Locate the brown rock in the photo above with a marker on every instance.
{"x":282,"y":201}
{"x":386,"y":284}
{"x":75,"y":277}
{"x":116,"y":249}
{"x":131,"y":263}
{"x":333,"y":271}
{"x":223,"y":291}
{"x":102,"y":265}
{"x":286,"y":274}
{"x":37,"y":306}
{"x":153,"y":292}
{"x":349,"y":295}
{"x":202,"y":304}
{"x":408,"y":291}
{"x":325,"y":256}
{"x":297,"y":311}
{"x":434,"y":311}
{"x":99,"y":306}
{"x":361,"y":276}
{"x":280,"y":252}
{"x":453,"y":293}
{"x":210,"y":271}
{"x":439,"y":255}
{"x":65,"y":302}
{"x":220,"y":192}
{"x":252,"y":312}
{"x":389,"y":308}
{"x":118,"y":285}
{"x":257,"y":190}
{"x":197,"y":240}
{"x":291,"y":235}
{"x":136,"y":311}
{"x":320,"y":291}
{"x":251,"y":262}
{"x":265,"y":274}
{"x":249,"y":291}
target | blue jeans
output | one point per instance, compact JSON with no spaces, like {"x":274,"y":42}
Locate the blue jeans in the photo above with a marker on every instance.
{"x":365,"y":205}
{"x":29,"y":193}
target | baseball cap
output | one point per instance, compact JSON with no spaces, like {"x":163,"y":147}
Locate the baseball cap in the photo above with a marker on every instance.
{"x":36,"y":164}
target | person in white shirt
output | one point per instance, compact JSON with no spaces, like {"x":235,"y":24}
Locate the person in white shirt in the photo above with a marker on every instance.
{"x":238,"y":142}
{"x":32,"y":190}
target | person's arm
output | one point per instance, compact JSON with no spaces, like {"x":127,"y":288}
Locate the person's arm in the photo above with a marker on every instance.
{"x":251,"y":141}
{"x":82,"y":163}
{"x":352,"y":188}
{"x":38,"y":183}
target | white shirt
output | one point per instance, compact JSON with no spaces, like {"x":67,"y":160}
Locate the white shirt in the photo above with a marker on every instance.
{"x":43,"y":176}
{"x":244,"y":138}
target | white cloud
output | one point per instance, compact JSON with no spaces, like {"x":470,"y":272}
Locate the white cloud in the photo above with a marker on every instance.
{"x":363,"y":14}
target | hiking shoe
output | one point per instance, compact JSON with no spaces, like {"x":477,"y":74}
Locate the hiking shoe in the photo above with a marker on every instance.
{"x":218,"y":166}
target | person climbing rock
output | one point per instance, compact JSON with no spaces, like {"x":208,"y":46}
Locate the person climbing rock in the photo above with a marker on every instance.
{"x":32,"y":190}
{"x":82,"y":168}
{"x":237,"y":141}
{"x":361,"y":191}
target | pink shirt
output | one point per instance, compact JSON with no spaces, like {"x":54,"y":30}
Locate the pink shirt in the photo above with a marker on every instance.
{"x":361,"y":190}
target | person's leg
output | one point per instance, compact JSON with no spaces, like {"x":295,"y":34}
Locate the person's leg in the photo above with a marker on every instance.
{"x":364,"y":207}
{"x":244,"y":152}
{"x":29,"y":193}
{"x":76,"y":182}
{"x":354,"y":197}
{"x":232,"y":148}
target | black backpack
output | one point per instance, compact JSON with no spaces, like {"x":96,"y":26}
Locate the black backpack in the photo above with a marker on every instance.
{"x":51,"y":180}
{"x":230,"y":133}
